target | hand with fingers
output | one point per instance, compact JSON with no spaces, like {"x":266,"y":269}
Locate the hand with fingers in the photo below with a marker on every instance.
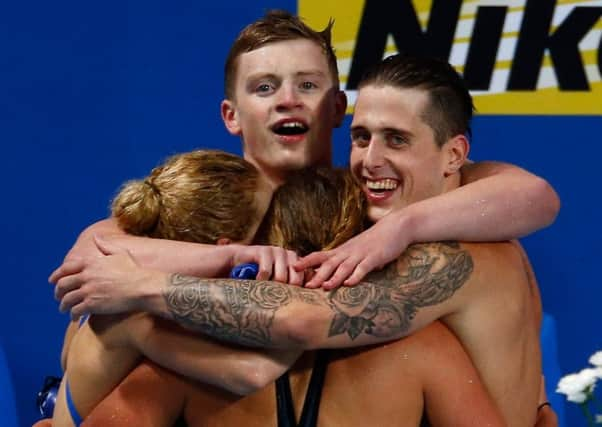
{"x":275,"y":263}
{"x":85,"y":246}
{"x":108,"y":284}
{"x":349,"y":263}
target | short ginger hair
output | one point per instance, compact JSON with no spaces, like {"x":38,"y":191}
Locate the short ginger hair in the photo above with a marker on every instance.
{"x":276,"y":26}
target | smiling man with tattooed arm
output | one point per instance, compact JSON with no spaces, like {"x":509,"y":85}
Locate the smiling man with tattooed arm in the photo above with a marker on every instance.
{"x":405,"y":131}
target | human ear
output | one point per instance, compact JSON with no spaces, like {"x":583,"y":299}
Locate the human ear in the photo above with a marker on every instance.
{"x":230,"y":117}
{"x":223,"y":241}
{"x":340,"y":107}
{"x":456,"y":152}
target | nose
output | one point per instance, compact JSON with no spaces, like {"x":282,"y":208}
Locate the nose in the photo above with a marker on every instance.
{"x":288,"y":98}
{"x":374,"y":157}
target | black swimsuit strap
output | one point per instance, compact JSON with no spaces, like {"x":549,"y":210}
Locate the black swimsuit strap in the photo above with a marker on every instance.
{"x":311,"y":405}
{"x":284,"y":402}
{"x":424,"y":422}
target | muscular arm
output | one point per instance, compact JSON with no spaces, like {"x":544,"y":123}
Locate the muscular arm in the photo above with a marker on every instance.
{"x":389,"y":304}
{"x":148,"y":397}
{"x":495,"y":202}
{"x":106,"y":348}
{"x":450,"y":380}
{"x":116,"y":341}
{"x":194,"y":259}
{"x":238,"y":370}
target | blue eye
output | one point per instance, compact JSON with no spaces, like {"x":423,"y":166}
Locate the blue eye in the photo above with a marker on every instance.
{"x":360,"y":139}
{"x":308,"y":85}
{"x":397,"y":140}
{"x":263,"y":88}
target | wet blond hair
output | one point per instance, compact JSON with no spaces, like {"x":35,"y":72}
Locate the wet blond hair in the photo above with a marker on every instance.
{"x":200,"y":196}
{"x":315,"y":209}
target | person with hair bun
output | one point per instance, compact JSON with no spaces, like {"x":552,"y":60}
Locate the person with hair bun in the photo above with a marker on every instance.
{"x":407,"y":142}
{"x":283,"y":101}
{"x":203,"y":196}
{"x":315,"y":209}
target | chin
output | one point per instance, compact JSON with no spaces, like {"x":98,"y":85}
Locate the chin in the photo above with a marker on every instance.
{"x":301,"y":162}
{"x":294,"y":165}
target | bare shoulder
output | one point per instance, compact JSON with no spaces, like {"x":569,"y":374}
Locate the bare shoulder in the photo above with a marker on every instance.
{"x":509,"y":249}
{"x":433,"y":272}
{"x":431,"y":262}
{"x":435,"y":343}
{"x":503,"y":283}
{"x":498,"y":260}
{"x":443,"y":268}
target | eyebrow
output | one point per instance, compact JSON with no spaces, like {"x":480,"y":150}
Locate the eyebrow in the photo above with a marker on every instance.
{"x":259,"y":76}
{"x":310,"y":73}
{"x":387,"y":130}
{"x":397,"y":130}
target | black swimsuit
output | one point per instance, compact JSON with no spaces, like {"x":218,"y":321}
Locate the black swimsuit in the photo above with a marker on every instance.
{"x":311,"y":405}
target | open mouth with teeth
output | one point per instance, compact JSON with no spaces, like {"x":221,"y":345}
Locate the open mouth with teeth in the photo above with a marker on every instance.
{"x":380,"y":189}
{"x":381,"y":185}
{"x":290,"y":128}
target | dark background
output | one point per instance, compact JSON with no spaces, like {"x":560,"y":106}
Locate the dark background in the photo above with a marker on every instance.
{"x":92,"y":94}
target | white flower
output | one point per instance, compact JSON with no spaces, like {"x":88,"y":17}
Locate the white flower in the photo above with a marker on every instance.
{"x":596,"y":359}
{"x":576,"y":386}
{"x":578,"y":397}
{"x":598,"y":419}
{"x":591,"y":374}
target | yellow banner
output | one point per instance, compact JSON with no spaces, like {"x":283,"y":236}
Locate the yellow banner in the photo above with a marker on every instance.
{"x":518,"y":56}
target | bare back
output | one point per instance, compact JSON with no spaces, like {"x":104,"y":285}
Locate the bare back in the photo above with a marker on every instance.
{"x":428,"y":372}
{"x":501,"y":331}
{"x":484,"y":293}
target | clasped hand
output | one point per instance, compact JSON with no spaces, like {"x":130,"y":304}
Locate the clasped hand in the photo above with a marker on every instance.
{"x":349,"y":263}
{"x":109,"y":283}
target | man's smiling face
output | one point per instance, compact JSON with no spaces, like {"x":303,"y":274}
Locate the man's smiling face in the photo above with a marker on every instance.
{"x":394,"y":155}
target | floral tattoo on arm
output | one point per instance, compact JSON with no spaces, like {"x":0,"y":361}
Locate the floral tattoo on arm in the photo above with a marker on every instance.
{"x":383,"y":305}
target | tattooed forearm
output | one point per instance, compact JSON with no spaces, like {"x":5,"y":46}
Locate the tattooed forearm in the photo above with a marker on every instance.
{"x":239,"y":311}
{"x":383,"y":306}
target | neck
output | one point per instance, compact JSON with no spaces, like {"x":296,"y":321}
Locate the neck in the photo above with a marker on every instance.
{"x":273,"y":180}
{"x":452,"y":182}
